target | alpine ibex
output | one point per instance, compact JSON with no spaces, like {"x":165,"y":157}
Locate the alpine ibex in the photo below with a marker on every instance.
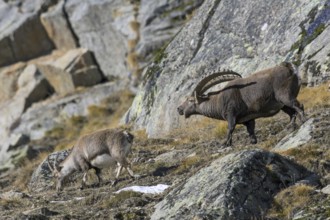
{"x":97,"y":150}
{"x":242,"y":100}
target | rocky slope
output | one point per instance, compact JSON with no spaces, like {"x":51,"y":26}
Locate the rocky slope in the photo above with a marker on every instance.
{"x":70,"y":67}
{"x":206,"y":180}
{"x":53,"y":48}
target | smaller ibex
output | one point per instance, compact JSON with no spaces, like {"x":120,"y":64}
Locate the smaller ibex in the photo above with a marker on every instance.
{"x":97,"y":150}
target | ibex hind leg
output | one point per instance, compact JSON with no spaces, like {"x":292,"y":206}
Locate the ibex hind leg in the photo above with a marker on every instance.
{"x":297,"y":107}
{"x":293,"y":115}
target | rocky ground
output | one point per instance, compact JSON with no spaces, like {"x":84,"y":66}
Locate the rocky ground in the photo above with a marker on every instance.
{"x":183,"y":157}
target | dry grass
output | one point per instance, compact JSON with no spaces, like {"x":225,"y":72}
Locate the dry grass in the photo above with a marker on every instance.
{"x":135,"y":25}
{"x":308,"y":156}
{"x":221,"y":130}
{"x":132,"y":61}
{"x":119,"y":198}
{"x":315,"y":97}
{"x":25,"y":170}
{"x":290,"y":200}
{"x":188,"y":164}
{"x":10,"y":203}
{"x":131,"y":44}
{"x":196,"y":130}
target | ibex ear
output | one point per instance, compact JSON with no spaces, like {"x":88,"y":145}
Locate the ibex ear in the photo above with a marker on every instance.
{"x":199,"y":99}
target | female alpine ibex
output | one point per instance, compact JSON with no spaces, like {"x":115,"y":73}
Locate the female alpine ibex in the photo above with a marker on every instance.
{"x":242,"y":100}
{"x":97,"y":150}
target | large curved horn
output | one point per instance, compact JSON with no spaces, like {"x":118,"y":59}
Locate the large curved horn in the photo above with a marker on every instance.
{"x":214,"y":79}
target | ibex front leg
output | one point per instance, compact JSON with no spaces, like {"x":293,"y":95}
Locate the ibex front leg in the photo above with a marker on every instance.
{"x":230,"y":130}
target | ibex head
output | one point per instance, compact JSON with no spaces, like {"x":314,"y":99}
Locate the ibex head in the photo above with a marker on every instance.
{"x":189,"y":106}
{"x":56,"y":172}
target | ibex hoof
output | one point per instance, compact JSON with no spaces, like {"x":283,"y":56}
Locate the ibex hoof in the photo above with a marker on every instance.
{"x":253,"y":141}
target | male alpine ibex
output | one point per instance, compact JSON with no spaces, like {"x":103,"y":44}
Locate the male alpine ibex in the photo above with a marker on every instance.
{"x":97,"y":150}
{"x":242,"y":100}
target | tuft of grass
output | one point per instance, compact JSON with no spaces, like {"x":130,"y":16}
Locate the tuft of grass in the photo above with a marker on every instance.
{"x":99,"y":111}
{"x":25,"y":171}
{"x":8,"y":204}
{"x":135,"y":25}
{"x":188,"y":164}
{"x":196,"y":130}
{"x":119,"y":198}
{"x":132,"y":61}
{"x":290,"y":200}
{"x":307,"y":155}
{"x":315,"y":97}
{"x":131,"y":44}
{"x":220,"y":130}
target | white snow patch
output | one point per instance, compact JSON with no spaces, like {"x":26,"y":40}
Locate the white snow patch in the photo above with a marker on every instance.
{"x":264,"y":27}
{"x":146,"y":189}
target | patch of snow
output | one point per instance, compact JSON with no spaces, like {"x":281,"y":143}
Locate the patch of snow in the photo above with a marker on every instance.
{"x":146,"y":189}
{"x":264,"y":27}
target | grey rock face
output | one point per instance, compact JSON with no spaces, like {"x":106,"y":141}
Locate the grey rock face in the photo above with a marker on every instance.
{"x":92,"y":23}
{"x":160,"y":21}
{"x":58,"y":27}
{"x":242,"y":36}
{"x":22,"y":35}
{"x":237,"y":186}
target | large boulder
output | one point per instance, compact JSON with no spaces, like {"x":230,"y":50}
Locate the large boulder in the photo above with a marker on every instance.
{"x":93,"y":24}
{"x":73,"y":69}
{"x":58,"y":27}
{"x":22,"y":36}
{"x":238,"y":186}
{"x":242,"y":36}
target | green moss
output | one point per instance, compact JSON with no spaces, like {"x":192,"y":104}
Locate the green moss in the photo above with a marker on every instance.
{"x":160,"y":54}
{"x":304,"y":40}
